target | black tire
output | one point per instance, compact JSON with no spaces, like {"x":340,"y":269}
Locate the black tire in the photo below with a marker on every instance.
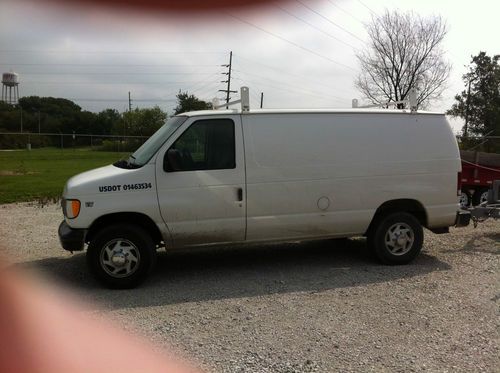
{"x":404,"y":251}
{"x":126,"y":241}
{"x":476,"y":198}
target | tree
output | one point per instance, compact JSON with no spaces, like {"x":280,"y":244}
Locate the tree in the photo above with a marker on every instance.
{"x":60,"y":107}
{"x":404,"y":52}
{"x":141,"y":122}
{"x":479,"y":103}
{"x":105,"y":121}
{"x":10,"y":117}
{"x":187,"y":102}
{"x":59,"y":115}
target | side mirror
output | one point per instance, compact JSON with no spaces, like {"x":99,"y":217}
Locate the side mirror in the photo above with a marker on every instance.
{"x":172,"y":161}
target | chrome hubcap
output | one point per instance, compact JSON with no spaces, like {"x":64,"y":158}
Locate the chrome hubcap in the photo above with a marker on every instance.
{"x":464,"y":200}
{"x":120,"y":258}
{"x":399,"y":239}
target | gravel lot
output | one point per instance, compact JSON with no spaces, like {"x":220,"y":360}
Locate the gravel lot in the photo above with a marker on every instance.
{"x":315,"y":307}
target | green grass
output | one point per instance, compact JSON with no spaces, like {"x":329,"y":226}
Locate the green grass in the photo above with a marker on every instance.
{"x":40,"y":174}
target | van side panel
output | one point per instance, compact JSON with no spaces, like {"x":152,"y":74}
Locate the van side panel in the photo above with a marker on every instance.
{"x":203,"y":206}
{"x":319,"y":175}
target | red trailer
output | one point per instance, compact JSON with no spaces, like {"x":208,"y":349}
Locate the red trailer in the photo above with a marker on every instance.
{"x":479,"y":170}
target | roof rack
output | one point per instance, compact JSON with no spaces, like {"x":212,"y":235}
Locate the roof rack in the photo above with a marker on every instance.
{"x":244,"y":100}
{"x":410,"y":100}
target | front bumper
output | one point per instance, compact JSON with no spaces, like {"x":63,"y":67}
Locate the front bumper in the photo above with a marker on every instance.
{"x":71,"y":239}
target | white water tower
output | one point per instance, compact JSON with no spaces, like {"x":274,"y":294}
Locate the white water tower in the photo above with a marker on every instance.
{"x":10,"y":88}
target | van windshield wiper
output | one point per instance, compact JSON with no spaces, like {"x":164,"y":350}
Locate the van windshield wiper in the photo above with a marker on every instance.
{"x":126,"y":163}
{"x":131,"y":163}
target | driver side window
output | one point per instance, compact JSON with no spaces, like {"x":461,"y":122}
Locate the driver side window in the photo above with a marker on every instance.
{"x":205,"y":145}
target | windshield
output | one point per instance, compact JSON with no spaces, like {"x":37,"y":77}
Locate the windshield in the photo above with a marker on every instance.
{"x":142,"y":155}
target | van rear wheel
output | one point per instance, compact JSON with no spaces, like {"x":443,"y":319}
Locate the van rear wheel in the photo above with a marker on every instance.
{"x":121,"y":256}
{"x":397,"y":238}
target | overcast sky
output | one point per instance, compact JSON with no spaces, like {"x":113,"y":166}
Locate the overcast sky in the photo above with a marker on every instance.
{"x":299,"y":53}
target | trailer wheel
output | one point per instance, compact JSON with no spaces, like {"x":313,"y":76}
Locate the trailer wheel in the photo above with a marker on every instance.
{"x":480,"y":196}
{"x":397,"y":238}
{"x":465,"y":199}
{"x":484,"y":196}
{"x":121,"y":256}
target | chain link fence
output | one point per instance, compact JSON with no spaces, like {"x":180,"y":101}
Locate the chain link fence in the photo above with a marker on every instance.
{"x":123,"y":143}
{"x":27,"y":140}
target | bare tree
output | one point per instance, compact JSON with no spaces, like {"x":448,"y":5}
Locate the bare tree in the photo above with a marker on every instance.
{"x":404,"y":52}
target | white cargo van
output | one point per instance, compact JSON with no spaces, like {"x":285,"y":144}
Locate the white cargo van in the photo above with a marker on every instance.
{"x":239,"y":176}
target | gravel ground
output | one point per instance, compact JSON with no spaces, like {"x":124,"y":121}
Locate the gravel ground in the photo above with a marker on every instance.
{"x":311,"y":307}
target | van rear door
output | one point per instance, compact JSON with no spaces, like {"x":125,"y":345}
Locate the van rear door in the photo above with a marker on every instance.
{"x":201,"y":182}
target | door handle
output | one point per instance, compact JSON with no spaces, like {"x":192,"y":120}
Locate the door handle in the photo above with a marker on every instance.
{"x":239,"y":194}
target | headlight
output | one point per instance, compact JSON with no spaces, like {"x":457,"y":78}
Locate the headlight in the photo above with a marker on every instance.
{"x":71,"y":208}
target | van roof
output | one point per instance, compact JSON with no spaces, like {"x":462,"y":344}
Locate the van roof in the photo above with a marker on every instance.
{"x":305,"y":111}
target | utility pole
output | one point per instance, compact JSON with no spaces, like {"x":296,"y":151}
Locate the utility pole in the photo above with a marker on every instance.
{"x":127,"y":122}
{"x":228,"y":81}
{"x":261,"y":99}
{"x":38,"y":121}
{"x":467,"y":104}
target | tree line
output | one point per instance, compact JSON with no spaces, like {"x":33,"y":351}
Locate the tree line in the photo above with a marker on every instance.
{"x":59,"y":115}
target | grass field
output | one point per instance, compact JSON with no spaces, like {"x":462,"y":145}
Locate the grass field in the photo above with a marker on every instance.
{"x":40,"y":174}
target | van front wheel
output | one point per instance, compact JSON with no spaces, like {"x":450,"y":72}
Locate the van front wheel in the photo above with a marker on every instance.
{"x":121,"y":256}
{"x":397,"y":238}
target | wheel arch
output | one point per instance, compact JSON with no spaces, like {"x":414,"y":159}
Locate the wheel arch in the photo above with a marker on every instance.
{"x":407,"y":205}
{"x":133,"y":218}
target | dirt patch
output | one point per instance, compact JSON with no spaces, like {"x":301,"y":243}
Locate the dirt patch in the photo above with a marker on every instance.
{"x":17,"y":173}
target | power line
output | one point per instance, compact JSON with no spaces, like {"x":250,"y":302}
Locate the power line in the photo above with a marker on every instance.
{"x":308,"y":79}
{"x":60,"y":51}
{"x":102,"y":65}
{"x":288,"y":89}
{"x":329,"y":20}
{"x":209,"y":92}
{"x":119,"y":99}
{"x":203,"y":88}
{"x":367,"y":7}
{"x":291,"y":92}
{"x":314,"y":26}
{"x":345,"y":11}
{"x":113,"y":73}
{"x":215,"y":76}
{"x":256,"y":96}
{"x":112,"y":83}
{"x":287,"y":84}
{"x":291,"y":42}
